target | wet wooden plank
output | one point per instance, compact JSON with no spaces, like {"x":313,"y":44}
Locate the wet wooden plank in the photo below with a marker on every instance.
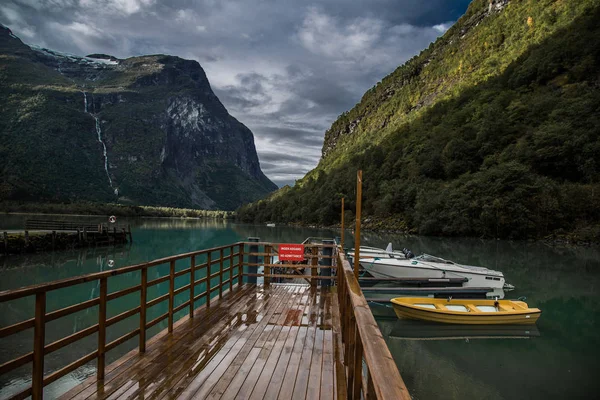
{"x":301,"y":384}
{"x":266,"y":346}
{"x":230,"y":364}
{"x":294,"y":319}
{"x":263,"y":381}
{"x":232,"y":379}
{"x":327,"y":372}
{"x":121,"y":371}
{"x":207,"y":357}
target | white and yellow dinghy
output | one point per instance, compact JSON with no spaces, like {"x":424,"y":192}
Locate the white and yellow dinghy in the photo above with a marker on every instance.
{"x":466,"y":311}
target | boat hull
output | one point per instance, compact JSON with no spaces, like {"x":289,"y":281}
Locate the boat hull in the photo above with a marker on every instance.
{"x":381,"y":270}
{"x":525,"y":316}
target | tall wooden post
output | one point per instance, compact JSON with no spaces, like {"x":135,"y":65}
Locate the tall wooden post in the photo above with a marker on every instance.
{"x":342,"y":232}
{"x":357,"y":229}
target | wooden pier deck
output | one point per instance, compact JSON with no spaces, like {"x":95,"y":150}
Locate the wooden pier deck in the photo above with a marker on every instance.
{"x":237,"y":339}
{"x":258,"y":342}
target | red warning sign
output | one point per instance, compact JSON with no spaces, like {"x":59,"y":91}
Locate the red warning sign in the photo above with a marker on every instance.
{"x":291,"y":252}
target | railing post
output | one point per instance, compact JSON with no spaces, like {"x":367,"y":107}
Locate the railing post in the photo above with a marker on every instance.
{"x":327,"y":262}
{"x":267,"y":270}
{"x":208,"y":261}
{"x":102,"y":328}
{"x":39,"y":337}
{"x":314,"y":261}
{"x":192,"y":286}
{"x":241,"y":264}
{"x":221,"y":273}
{"x":231,"y":268}
{"x":253,"y":269}
{"x":171,"y":294}
{"x":349,"y":357}
{"x":143,"y":298}
{"x":357,"y":363}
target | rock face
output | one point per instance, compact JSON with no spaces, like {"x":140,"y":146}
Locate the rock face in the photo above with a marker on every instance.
{"x":144,"y":130}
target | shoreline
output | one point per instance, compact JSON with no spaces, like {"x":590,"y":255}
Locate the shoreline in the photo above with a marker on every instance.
{"x":554,"y":241}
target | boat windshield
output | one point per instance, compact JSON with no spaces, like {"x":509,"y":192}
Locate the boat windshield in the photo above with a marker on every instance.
{"x":430,"y":258}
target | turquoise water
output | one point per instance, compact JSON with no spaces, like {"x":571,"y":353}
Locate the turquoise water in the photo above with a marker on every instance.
{"x":563,"y":282}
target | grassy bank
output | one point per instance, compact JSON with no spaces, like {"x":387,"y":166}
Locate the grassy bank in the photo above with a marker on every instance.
{"x":88,"y":208}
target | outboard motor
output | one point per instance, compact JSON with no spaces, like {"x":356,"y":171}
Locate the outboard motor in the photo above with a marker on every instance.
{"x":407,"y":253}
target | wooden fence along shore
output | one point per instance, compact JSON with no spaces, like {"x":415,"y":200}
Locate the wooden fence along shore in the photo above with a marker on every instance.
{"x":237,"y":337}
{"x":46,"y":235}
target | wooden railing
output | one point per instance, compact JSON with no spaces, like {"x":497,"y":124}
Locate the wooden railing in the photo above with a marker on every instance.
{"x":371,"y":372}
{"x":42,"y":317}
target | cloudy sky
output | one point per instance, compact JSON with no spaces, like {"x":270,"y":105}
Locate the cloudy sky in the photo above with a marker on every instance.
{"x":285,"y":68}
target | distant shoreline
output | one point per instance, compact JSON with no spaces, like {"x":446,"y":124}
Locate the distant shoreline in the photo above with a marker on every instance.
{"x":88,"y":209}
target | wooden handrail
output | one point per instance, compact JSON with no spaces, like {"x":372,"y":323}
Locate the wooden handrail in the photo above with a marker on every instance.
{"x":12,"y":294}
{"x":42,"y":317}
{"x":363,"y":340}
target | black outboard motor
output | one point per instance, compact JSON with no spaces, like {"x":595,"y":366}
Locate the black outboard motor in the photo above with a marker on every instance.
{"x":407,"y":253}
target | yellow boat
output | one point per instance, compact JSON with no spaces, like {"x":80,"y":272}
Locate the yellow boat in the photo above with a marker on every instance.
{"x":466,"y":311}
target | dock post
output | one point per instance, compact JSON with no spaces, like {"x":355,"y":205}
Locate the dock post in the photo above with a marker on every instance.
{"x":85,"y":234}
{"x":267,"y":270}
{"x":79,"y":236}
{"x":342,"y":230}
{"x":26,"y":240}
{"x":6,"y":243}
{"x":129,"y":229}
{"x":326,"y":262}
{"x":314,"y":261}
{"x":53,"y":240}
{"x":114,"y":235}
{"x":253,"y":269}
{"x":357,"y":229}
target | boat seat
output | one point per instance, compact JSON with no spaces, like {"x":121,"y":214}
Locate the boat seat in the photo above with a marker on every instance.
{"x":504,"y":308}
{"x":440,"y":306}
{"x":472,"y":308}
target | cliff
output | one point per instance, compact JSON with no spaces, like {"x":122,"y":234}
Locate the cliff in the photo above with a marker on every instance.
{"x":143,"y":130}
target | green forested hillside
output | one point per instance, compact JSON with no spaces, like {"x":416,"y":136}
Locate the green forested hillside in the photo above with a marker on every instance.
{"x":492,"y":131}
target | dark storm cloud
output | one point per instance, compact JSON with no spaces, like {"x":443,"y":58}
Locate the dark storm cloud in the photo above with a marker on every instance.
{"x":285,"y":68}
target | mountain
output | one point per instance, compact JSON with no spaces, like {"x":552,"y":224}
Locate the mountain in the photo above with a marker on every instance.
{"x":144,"y":130}
{"x":492,"y":131}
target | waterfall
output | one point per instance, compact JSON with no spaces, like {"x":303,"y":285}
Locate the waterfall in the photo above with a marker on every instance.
{"x":99,"y":134}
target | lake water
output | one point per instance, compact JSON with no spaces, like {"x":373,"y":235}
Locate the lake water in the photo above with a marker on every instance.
{"x":555,"y":360}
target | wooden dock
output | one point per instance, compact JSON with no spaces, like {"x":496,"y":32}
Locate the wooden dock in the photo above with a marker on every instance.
{"x":47,"y":235}
{"x":258,"y":342}
{"x":287,"y":341}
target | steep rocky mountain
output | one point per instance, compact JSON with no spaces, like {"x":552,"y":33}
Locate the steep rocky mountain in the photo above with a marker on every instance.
{"x":144,"y":130}
{"x":491,"y":131}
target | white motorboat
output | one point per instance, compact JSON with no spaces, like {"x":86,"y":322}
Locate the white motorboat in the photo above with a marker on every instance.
{"x":427,"y":266}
